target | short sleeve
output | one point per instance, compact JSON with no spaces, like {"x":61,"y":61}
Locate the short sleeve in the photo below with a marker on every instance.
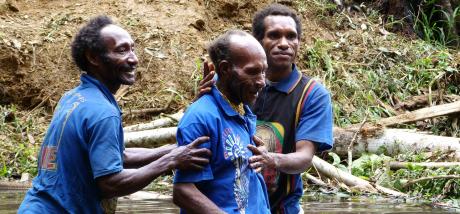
{"x":187,"y":133}
{"x":106,"y":147}
{"x":316,"y":121}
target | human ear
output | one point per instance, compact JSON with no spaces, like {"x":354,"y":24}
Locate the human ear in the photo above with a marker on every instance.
{"x":224,"y":68}
{"x":92,"y":58}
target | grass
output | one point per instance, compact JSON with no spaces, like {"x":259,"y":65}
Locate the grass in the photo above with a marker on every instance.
{"x":434,"y":29}
{"x":20,"y":137}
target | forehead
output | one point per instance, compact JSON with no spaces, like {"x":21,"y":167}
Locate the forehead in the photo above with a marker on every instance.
{"x":115,"y":35}
{"x":246,"y":49}
{"x":279,"y":22}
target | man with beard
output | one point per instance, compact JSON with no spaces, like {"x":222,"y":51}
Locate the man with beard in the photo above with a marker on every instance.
{"x":82,"y":159}
{"x":294,"y":112}
{"x":227,"y":184}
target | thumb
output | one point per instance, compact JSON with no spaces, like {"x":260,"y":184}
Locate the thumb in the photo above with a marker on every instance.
{"x":258,"y":141}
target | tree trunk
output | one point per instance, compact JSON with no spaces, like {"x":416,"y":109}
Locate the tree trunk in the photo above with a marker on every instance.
{"x":392,"y":142}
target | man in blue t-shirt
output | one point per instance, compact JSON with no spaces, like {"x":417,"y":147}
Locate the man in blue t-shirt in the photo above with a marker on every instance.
{"x":227,"y":184}
{"x":294,"y":112}
{"x":82,"y":163}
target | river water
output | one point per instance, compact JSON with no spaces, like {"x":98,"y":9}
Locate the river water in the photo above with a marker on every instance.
{"x":10,"y":200}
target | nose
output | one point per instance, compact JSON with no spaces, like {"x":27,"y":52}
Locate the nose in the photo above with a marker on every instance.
{"x":283,"y":43}
{"x":260,"y":81}
{"x":132,"y":59}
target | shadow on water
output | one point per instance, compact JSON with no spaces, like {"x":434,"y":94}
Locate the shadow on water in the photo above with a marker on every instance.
{"x":315,"y":203}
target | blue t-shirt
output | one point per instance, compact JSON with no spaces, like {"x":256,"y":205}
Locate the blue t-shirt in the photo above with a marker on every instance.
{"x":315,"y":125}
{"x":84,"y":141}
{"x":227,"y":180}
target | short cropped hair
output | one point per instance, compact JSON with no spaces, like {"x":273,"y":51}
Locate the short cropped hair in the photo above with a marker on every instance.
{"x":89,"y":38}
{"x":258,"y":27}
{"x":219,"y":49}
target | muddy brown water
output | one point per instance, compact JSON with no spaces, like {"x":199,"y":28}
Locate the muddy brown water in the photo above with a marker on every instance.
{"x":10,"y":200}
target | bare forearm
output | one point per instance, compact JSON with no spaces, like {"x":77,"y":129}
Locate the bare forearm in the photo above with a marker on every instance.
{"x":296,"y":162}
{"x":191,"y":200}
{"x":138,"y":157}
{"x":292,"y":163}
{"x":131,"y":180}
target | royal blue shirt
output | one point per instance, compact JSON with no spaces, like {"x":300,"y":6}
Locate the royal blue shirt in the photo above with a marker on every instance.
{"x":227,"y":180}
{"x":84,"y":141}
{"x":315,"y":125}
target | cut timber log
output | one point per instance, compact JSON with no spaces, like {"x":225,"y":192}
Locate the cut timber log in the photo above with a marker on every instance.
{"x":392,"y":142}
{"x":404,"y":165}
{"x":162,"y":122}
{"x":151,"y":138}
{"x":422,"y":114}
{"x":331,"y":171}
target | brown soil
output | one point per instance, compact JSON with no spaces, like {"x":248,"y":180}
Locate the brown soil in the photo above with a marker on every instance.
{"x":170,"y":35}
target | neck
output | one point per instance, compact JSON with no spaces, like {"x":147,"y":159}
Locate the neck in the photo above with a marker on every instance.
{"x":113,"y":88}
{"x":224,"y":90}
{"x":276,"y":74}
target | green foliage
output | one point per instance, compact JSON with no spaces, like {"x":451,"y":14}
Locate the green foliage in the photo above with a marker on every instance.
{"x":366,"y":71}
{"x":20,"y":137}
{"x":434,"y":29}
{"x":367,"y":166}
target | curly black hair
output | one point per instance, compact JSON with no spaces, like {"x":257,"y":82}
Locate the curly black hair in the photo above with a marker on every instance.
{"x":89,"y":38}
{"x":219,"y":49}
{"x":258,"y":27}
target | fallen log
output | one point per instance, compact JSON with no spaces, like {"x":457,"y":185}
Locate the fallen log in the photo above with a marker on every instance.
{"x":162,"y":122}
{"x":394,"y":165}
{"x":150,"y":138}
{"x":331,"y":171}
{"x":422,"y":114}
{"x":13,"y":185}
{"x":392,"y":142}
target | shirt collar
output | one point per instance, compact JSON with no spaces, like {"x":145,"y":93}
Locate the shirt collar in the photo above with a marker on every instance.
{"x":225,"y":106}
{"x":89,"y":81}
{"x":287,"y":84}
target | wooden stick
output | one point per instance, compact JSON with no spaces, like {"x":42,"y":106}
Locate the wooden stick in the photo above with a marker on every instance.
{"x":149,"y":111}
{"x":350,"y":147}
{"x":394,"y":165}
{"x":315,"y":180}
{"x":422,"y":114}
{"x":124,"y":89}
{"x":411,"y":182}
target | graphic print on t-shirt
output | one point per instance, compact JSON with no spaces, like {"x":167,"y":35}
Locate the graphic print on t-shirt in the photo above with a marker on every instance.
{"x":272,"y":134}
{"x":236,"y":152}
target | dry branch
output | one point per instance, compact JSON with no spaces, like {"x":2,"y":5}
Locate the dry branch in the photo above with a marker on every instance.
{"x":409,"y":183}
{"x":422,"y":114}
{"x":315,"y":180}
{"x":162,"y":122}
{"x":392,"y":142}
{"x":124,"y":89}
{"x":394,"y":165}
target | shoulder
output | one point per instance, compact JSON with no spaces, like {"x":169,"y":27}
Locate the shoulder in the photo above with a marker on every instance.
{"x":89,"y":104}
{"x":201,"y":111}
